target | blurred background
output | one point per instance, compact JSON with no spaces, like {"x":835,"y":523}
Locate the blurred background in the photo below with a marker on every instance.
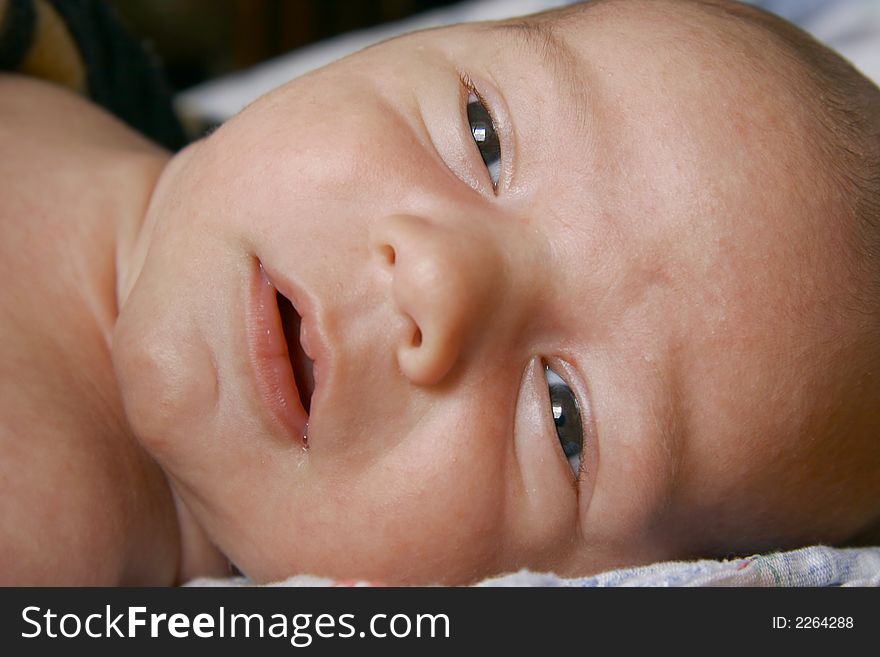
{"x":202,"y":39}
{"x":219,"y":55}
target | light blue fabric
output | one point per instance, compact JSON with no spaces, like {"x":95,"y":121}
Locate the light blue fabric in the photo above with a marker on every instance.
{"x":812,"y":566}
{"x":799,"y":12}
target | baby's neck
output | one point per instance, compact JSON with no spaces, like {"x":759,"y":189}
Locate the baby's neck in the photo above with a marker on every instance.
{"x":73,"y":478}
{"x":172,"y":531}
{"x":196,"y":556}
{"x":186,"y":544}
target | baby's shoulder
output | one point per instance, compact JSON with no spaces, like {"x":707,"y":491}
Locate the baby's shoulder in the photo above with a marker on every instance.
{"x":66,"y":170}
{"x":69,"y":472}
{"x":44,"y":113}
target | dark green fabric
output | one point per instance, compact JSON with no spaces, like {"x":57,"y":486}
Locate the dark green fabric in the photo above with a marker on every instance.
{"x":121,"y":75}
{"x":16,"y":33}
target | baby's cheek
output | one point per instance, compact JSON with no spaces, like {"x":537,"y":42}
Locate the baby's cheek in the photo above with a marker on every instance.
{"x":164,"y":371}
{"x":542,"y":521}
{"x":429,"y":512}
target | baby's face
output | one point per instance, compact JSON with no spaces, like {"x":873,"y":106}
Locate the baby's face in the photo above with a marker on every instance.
{"x":643,"y":236}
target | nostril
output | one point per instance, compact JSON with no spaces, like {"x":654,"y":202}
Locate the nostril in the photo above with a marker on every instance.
{"x":417,"y":338}
{"x":389,"y":254}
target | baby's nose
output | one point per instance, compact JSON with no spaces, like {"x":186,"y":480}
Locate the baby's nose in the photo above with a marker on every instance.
{"x":446,"y":281}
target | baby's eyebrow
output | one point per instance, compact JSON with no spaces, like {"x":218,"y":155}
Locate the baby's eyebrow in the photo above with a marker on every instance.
{"x":553,"y":50}
{"x":555,"y":54}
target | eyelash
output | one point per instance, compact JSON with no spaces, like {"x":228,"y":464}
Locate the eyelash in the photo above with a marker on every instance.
{"x":471,"y":89}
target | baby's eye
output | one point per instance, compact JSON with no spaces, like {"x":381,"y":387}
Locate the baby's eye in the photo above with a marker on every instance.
{"x":566,"y":417}
{"x":485,"y":136}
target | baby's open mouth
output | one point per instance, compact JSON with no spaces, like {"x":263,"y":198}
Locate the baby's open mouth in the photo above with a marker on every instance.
{"x":300,"y":363}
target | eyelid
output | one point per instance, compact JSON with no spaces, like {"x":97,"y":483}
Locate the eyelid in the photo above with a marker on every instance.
{"x":497,"y":109}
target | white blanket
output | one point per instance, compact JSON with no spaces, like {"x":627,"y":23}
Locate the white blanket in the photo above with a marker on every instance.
{"x":812,"y":566}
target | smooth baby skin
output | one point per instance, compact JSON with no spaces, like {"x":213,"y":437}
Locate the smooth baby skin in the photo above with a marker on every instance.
{"x":82,"y":503}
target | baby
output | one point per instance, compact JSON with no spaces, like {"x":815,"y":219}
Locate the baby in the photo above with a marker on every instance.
{"x":591,"y":288}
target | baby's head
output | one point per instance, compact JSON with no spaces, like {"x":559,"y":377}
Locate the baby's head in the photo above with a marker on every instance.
{"x":672,"y":205}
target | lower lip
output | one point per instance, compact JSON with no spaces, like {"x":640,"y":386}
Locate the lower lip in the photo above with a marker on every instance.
{"x":268,"y":351}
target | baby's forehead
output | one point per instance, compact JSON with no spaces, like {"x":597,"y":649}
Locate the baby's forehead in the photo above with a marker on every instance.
{"x":684,"y":26}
